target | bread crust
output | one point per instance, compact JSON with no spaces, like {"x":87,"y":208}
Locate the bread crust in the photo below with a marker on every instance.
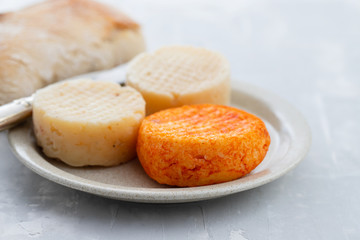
{"x":58,"y":39}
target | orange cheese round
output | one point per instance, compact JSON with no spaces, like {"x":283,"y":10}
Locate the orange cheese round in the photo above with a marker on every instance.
{"x":203,"y":144}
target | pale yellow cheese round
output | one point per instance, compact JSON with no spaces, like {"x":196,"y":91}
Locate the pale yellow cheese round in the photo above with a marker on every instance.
{"x":82,"y":122}
{"x":177,"y":75}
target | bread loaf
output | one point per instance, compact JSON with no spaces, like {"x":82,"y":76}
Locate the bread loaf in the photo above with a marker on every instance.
{"x":58,"y":39}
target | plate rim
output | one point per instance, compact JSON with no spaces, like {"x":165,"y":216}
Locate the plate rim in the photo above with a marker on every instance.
{"x":177,"y":195}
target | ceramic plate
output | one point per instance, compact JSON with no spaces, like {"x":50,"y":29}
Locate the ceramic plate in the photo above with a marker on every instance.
{"x":290,"y":141}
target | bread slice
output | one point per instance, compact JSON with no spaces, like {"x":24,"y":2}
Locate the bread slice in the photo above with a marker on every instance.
{"x":82,"y":122}
{"x":201,"y":144}
{"x":176,"y":75}
{"x":58,"y":39}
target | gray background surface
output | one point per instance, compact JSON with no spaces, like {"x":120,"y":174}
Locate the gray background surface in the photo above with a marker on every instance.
{"x":307,"y":52}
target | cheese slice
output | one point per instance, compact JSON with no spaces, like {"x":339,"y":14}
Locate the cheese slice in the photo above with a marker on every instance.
{"x":82,"y":122}
{"x":178,"y":75}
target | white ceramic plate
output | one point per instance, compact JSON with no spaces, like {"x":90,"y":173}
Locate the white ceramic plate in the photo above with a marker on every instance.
{"x":290,"y":141}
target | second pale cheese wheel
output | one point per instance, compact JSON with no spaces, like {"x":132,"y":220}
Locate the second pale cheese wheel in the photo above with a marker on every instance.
{"x":82,"y":122}
{"x":177,"y":75}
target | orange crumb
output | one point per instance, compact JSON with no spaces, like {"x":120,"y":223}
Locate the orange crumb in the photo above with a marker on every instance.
{"x":201,"y":144}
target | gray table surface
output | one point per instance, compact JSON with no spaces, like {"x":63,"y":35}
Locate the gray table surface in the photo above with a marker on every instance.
{"x":307,"y":52}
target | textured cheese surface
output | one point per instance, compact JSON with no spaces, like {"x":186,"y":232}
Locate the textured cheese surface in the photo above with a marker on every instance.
{"x":83,"y":122}
{"x":201,"y":144}
{"x":178,"y":75}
